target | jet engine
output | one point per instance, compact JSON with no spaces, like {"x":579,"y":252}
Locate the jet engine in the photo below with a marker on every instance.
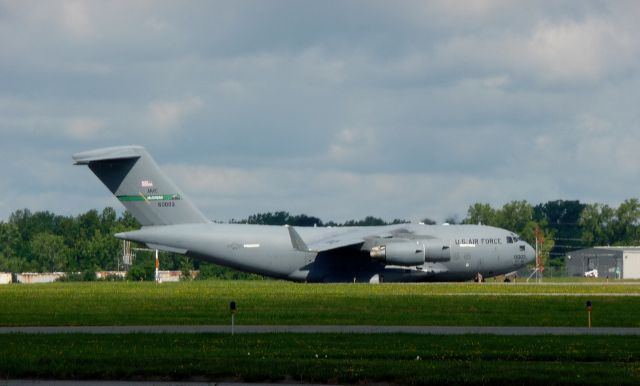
{"x":398,"y":253}
{"x":410,"y":252}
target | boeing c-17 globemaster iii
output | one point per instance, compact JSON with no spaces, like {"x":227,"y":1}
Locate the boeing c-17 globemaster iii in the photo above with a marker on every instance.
{"x":393,"y":253}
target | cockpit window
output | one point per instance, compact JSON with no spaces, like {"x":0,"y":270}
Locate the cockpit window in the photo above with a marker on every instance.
{"x":509,"y":240}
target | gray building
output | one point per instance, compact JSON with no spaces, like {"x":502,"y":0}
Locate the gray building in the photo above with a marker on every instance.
{"x":612,"y":262}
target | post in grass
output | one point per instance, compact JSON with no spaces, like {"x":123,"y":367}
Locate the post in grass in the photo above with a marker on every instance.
{"x":233,"y":309}
{"x":589,"y":312}
{"x":157,"y":273}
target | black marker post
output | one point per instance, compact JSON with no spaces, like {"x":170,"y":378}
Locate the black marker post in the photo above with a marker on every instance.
{"x":233,"y":309}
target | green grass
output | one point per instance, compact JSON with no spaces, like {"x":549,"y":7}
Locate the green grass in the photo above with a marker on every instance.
{"x":276,"y":302}
{"x":341,"y":358}
{"x":334,"y":358}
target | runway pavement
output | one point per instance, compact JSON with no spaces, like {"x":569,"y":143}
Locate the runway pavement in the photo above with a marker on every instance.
{"x":311,"y":329}
{"x":28,"y":382}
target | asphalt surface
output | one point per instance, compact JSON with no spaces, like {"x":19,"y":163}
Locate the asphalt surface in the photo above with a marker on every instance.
{"x":222,"y":329}
{"x":20,"y":382}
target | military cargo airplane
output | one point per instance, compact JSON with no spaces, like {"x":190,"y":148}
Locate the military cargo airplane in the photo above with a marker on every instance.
{"x":393,"y":253}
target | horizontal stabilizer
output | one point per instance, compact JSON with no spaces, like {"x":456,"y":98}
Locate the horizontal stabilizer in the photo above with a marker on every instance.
{"x":180,"y":251}
{"x":108,"y":153}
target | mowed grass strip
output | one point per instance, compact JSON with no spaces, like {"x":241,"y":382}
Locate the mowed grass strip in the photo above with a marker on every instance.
{"x":334,"y":358}
{"x":276,"y":302}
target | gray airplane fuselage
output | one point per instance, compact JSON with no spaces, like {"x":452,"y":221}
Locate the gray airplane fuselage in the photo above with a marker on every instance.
{"x":267,"y":250}
{"x":403,"y":252}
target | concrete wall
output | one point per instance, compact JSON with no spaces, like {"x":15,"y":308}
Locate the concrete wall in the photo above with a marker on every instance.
{"x":631,"y":265}
{"x":106,"y":274}
{"x":35,"y":277}
{"x":169,"y":276}
{"x":5,"y":278}
{"x":172,"y":276}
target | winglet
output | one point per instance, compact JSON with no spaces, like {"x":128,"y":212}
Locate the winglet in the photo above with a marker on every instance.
{"x":296,"y":241}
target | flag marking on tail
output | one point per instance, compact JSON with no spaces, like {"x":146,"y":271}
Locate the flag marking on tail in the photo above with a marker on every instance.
{"x":155,"y":197}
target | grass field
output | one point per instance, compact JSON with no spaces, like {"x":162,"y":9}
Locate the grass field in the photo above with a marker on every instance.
{"x":333,"y":358}
{"x":276,"y":302}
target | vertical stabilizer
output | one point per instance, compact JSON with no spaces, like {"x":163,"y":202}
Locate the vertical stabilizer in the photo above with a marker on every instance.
{"x":136,"y":180}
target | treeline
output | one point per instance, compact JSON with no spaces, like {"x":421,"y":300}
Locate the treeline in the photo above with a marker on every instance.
{"x":302,"y":220}
{"x":45,"y":242}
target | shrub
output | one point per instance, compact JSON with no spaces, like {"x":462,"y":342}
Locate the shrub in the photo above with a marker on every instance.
{"x":136,"y":273}
{"x":89,"y":275}
{"x":70,"y":276}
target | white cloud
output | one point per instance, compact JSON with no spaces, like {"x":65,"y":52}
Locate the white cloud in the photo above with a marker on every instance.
{"x":156,"y":25}
{"x":352,"y":143}
{"x":327,"y":109}
{"x":167,"y":115}
{"x":232,"y":87}
{"x":578,"y":50}
{"x":76,"y":19}
{"x":224,"y":193}
{"x":222,"y":180}
{"x":80,"y":128}
{"x":572,"y":50}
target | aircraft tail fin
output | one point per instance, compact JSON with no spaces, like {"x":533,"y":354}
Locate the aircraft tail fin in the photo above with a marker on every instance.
{"x":132,"y":175}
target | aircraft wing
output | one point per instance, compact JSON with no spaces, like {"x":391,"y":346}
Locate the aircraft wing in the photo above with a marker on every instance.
{"x":343,"y":237}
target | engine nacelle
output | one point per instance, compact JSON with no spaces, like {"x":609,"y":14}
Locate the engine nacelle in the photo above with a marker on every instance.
{"x":407,"y":253}
{"x":411,"y":252}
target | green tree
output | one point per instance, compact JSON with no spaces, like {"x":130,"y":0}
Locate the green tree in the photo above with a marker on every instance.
{"x":367,"y":221}
{"x":563,"y":217}
{"x":302,"y":220}
{"x":103,"y":251}
{"x":127,"y":221}
{"x":481,"y":214}
{"x":625,"y":225}
{"x":185,"y":268}
{"x":276,"y":218}
{"x":281,"y":218}
{"x":21,"y":219}
{"x":452,"y":220}
{"x":136,"y":273}
{"x":50,"y":251}
{"x":9,"y":240}
{"x":517,"y":216}
{"x":88,"y":223}
{"x":108,"y":219}
{"x":596,"y":221}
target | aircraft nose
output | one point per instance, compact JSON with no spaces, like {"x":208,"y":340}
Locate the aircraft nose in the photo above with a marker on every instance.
{"x":530,"y":253}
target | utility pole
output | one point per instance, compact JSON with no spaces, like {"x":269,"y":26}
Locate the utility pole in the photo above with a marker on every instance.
{"x":539,"y":269}
{"x":157,"y":265}
{"x":539,"y":262}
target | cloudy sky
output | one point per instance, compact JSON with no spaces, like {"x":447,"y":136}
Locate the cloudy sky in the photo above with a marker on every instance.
{"x":397,"y":109}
